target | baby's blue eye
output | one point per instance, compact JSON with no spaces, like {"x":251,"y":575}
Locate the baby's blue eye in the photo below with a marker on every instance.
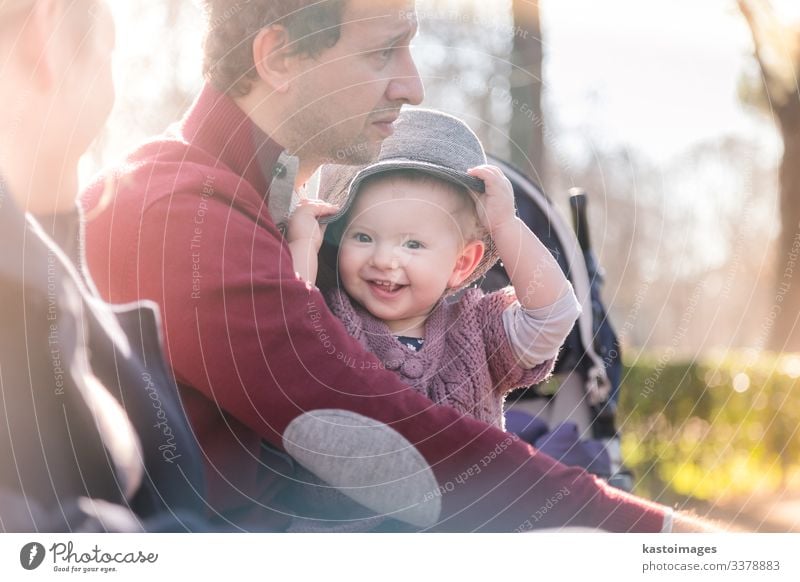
{"x":414,"y":245}
{"x":362,"y":238}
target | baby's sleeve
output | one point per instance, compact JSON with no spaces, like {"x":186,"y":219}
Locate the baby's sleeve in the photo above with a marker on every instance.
{"x":511,"y":365}
{"x":537,"y":334}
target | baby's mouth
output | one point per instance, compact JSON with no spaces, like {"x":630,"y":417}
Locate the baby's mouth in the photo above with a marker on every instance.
{"x":385,"y":286}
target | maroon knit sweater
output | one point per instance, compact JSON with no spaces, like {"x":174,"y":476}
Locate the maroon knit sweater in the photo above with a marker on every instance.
{"x":189,"y":228}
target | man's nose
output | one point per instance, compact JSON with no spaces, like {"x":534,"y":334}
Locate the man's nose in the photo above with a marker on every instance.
{"x":406,"y":85}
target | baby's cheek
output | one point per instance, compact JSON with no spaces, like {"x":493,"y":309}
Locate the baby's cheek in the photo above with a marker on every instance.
{"x":346,"y":261}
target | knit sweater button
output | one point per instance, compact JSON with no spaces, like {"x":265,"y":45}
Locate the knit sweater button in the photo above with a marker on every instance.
{"x":394,"y":359}
{"x":412,"y":369}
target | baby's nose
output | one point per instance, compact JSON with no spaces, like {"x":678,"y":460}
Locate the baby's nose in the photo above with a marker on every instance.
{"x":386,"y":257}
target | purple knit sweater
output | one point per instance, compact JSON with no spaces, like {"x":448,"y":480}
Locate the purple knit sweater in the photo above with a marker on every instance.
{"x":466,"y":362}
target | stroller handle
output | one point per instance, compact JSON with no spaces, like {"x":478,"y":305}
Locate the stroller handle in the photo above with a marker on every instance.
{"x":578,"y":202}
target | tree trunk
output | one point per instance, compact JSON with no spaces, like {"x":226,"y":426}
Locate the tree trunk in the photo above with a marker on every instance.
{"x":779,"y":69}
{"x":785,"y":335}
{"x":527,"y":122}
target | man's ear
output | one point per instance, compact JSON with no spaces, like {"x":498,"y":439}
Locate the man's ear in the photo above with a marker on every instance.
{"x":271,"y":55}
{"x":466,"y":263}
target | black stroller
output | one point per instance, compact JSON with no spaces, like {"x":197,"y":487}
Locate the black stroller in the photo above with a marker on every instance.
{"x":572,"y":416}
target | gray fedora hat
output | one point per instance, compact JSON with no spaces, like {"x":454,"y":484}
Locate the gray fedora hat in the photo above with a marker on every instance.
{"x":423,"y":140}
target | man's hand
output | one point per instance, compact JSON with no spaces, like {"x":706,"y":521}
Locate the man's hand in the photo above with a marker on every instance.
{"x":683,"y":522}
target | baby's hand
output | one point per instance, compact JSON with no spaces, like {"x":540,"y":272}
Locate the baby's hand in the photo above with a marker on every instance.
{"x":304,"y":221}
{"x":496,"y":205}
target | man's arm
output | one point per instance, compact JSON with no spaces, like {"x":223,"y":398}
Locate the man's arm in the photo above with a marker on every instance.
{"x":260,"y":343}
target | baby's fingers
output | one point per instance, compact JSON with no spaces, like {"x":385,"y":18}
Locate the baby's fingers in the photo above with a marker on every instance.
{"x":317,"y":208}
{"x":492,"y":176}
{"x":485,"y":171}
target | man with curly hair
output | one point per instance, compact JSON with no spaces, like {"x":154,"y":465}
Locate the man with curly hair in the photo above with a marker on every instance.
{"x":272,"y":382}
{"x":325,"y":80}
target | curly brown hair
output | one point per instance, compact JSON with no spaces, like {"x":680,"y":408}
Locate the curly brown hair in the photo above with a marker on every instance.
{"x":312,"y":26}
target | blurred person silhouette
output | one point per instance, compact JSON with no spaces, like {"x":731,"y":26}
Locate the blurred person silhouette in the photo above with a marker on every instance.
{"x":92,"y":436}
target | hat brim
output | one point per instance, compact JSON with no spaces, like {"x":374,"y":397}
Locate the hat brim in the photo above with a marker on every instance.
{"x":473,"y":185}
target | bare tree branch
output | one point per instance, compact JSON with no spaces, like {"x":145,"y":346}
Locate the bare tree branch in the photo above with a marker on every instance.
{"x":757,"y":33}
{"x":775,"y":50}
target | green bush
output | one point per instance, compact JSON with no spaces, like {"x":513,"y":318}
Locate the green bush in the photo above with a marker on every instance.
{"x":722,"y":427}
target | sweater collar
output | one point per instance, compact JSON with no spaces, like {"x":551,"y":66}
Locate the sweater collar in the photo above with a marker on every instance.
{"x":216,"y":124}
{"x":378,"y":338}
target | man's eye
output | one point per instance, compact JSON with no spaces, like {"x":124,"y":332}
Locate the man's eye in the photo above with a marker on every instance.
{"x":414,"y":245}
{"x":385,"y":54}
{"x":362,"y":238}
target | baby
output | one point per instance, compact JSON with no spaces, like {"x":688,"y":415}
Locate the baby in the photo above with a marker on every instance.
{"x":414,"y":230}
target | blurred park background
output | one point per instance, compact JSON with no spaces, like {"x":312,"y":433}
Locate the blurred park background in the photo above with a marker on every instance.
{"x":682,"y":121}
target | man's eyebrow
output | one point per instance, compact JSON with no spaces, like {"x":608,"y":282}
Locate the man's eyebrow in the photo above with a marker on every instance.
{"x":408,"y":33}
{"x":379,"y":45}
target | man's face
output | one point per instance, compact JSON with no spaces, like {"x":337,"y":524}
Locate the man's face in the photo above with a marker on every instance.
{"x":349,"y":96}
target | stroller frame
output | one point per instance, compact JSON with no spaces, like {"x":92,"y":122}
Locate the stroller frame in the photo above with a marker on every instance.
{"x":581,"y":390}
